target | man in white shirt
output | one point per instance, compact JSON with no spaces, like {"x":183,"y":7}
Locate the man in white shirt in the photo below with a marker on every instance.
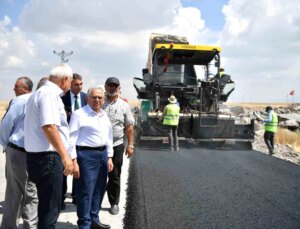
{"x":91,"y":142}
{"x":46,"y":140}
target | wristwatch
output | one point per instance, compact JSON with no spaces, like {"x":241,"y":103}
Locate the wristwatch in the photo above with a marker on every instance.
{"x":130,"y":146}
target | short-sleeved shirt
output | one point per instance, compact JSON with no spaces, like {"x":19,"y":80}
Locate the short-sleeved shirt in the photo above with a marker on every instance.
{"x":120,"y":117}
{"x":88,"y":128}
{"x":44,"y":107}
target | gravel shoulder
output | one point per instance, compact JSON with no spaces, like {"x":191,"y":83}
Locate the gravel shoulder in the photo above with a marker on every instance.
{"x":284,"y":152}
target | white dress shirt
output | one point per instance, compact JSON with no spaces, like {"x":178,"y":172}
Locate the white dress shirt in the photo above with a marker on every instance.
{"x":88,"y":128}
{"x":43,"y":108}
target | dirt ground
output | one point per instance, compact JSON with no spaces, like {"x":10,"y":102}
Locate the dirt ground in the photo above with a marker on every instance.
{"x":258,"y":105}
{"x":3,"y":106}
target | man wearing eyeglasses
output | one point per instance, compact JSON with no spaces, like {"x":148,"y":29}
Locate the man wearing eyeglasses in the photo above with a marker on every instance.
{"x":91,"y":142}
{"x":21,"y":195}
{"x":122,"y":121}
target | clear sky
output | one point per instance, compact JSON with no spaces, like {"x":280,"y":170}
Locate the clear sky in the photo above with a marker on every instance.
{"x":259,"y":39}
{"x":211,"y":11}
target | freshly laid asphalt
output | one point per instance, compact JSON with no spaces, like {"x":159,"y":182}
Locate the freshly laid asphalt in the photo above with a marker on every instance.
{"x":200,"y":187}
{"x":211,"y":188}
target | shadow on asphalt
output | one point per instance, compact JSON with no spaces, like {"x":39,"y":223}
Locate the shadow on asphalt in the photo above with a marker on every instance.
{"x":65,"y":225}
{"x":69,"y":208}
{"x":105,"y":209}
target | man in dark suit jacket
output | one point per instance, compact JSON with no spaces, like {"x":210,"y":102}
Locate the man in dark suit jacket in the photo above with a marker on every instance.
{"x":73,"y":100}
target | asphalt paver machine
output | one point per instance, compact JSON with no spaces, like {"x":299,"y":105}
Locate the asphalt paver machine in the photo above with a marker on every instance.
{"x":171,"y":70}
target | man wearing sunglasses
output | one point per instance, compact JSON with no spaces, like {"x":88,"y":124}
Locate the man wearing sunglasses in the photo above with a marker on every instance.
{"x":122,"y":122}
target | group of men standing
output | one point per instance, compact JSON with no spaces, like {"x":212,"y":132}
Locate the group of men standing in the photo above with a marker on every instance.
{"x":58,"y":131}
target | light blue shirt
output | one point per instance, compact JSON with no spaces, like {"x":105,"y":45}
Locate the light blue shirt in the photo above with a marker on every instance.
{"x":269,"y":117}
{"x":12,"y":126}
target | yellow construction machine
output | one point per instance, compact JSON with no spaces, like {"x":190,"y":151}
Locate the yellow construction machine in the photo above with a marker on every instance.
{"x":171,"y":70}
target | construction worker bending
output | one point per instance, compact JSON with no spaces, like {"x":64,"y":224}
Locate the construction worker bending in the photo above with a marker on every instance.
{"x":171,"y":119}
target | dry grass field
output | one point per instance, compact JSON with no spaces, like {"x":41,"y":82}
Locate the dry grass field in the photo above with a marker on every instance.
{"x":3,"y":106}
{"x":258,"y":105}
{"x":282,"y":137}
{"x":136,"y":103}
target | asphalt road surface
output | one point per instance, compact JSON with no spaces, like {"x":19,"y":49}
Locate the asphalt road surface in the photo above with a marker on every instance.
{"x":211,"y":188}
{"x":198,"y":187}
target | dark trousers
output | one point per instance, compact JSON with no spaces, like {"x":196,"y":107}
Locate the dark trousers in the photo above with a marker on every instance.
{"x":45,"y":169}
{"x":114,"y":181}
{"x":173,"y":137}
{"x":64,"y":189}
{"x":269,"y":140}
{"x":91,"y":186}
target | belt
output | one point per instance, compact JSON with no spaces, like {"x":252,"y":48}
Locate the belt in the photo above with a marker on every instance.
{"x":11,"y":145}
{"x":40,"y":154}
{"x":98,"y":148}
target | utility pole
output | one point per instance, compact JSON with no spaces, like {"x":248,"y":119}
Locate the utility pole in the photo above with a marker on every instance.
{"x":63,"y":55}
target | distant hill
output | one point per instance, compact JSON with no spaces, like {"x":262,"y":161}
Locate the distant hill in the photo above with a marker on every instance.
{"x":134,"y":102}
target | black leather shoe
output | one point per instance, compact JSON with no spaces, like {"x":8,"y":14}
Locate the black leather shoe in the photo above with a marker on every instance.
{"x":114,"y":210}
{"x":100,"y":226}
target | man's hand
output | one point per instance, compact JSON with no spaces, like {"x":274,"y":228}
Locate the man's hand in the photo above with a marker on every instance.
{"x":257,"y":115}
{"x":110,"y":164}
{"x":129,"y":151}
{"x":52,"y":134}
{"x":68,"y":165}
{"x":129,"y":131}
{"x":76,"y":172}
